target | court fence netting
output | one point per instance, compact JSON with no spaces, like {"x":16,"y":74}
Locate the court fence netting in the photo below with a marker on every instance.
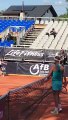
{"x":19,"y":103}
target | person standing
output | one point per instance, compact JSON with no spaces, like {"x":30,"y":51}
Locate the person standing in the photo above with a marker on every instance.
{"x":63,"y":56}
{"x":56,"y":72}
{"x":3,"y":67}
{"x":0,"y":66}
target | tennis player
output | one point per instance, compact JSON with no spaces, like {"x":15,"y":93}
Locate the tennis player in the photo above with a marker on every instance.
{"x":56,"y":72}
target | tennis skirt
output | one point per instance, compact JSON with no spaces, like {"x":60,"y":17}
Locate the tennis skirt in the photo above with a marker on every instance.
{"x":57,"y":85}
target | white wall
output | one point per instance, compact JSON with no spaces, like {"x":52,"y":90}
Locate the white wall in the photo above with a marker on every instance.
{"x":22,"y":16}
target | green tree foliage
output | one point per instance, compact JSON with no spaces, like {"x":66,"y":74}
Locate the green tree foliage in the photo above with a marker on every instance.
{"x":64,"y":16}
{"x":67,"y":8}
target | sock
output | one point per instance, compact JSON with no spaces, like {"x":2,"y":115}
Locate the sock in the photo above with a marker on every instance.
{"x":56,"y":108}
{"x":59,"y":106}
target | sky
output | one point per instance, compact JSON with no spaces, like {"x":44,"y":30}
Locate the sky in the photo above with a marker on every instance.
{"x":59,"y":5}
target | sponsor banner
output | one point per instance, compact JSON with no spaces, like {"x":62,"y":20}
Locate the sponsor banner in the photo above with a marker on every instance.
{"x":11,"y":67}
{"x":39,"y":69}
{"x":28,"y":54}
{"x":22,"y":54}
{"x":33,"y":68}
{"x":50,"y":54}
{"x":29,"y":68}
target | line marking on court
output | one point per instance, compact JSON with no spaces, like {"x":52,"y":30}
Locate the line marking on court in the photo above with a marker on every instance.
{"x":25,"y":75}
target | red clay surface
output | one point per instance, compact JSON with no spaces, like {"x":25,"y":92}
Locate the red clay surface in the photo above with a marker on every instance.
{"x":42,"y":112}
{"x":14,"y":81}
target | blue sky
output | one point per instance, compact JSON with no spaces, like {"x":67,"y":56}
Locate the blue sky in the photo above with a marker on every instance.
{"x":59,"y":5}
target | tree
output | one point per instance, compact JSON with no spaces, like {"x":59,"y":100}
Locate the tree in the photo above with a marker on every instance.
{"x":67,"y":8}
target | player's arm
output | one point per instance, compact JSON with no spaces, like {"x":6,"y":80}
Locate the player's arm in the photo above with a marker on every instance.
{"x":64,"y":81}
{"x":64,"y":77}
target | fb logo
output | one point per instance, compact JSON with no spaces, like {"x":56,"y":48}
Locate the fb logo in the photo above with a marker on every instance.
{"x":37,"y":68}
{"x":34,"y":69}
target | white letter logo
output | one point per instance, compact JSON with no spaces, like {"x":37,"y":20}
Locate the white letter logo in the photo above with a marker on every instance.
{"x":34,"y":69}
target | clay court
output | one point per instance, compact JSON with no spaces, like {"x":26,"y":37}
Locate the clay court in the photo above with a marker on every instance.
{"x":42,"y":111}
{"x":14,"y":81}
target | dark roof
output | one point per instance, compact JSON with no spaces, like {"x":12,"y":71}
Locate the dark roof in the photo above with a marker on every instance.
{"x":30,"y":10}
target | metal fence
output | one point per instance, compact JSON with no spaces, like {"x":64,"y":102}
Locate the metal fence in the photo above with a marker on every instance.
{"x":35,"y":18}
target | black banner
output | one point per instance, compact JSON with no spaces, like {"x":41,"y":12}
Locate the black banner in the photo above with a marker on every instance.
{"x":11,"y":68}
{"x":23,"y":54}
{"x":20,"y":54}
{"x":33,"y":68}
{"x":29,"y":68}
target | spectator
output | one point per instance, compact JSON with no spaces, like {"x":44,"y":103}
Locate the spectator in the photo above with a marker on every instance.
{"x":9,"y":36}
{"x":3,"y":67}
{"x":52,"y":32}
{"x":63,"y":56}
{"x":0,"y":66}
